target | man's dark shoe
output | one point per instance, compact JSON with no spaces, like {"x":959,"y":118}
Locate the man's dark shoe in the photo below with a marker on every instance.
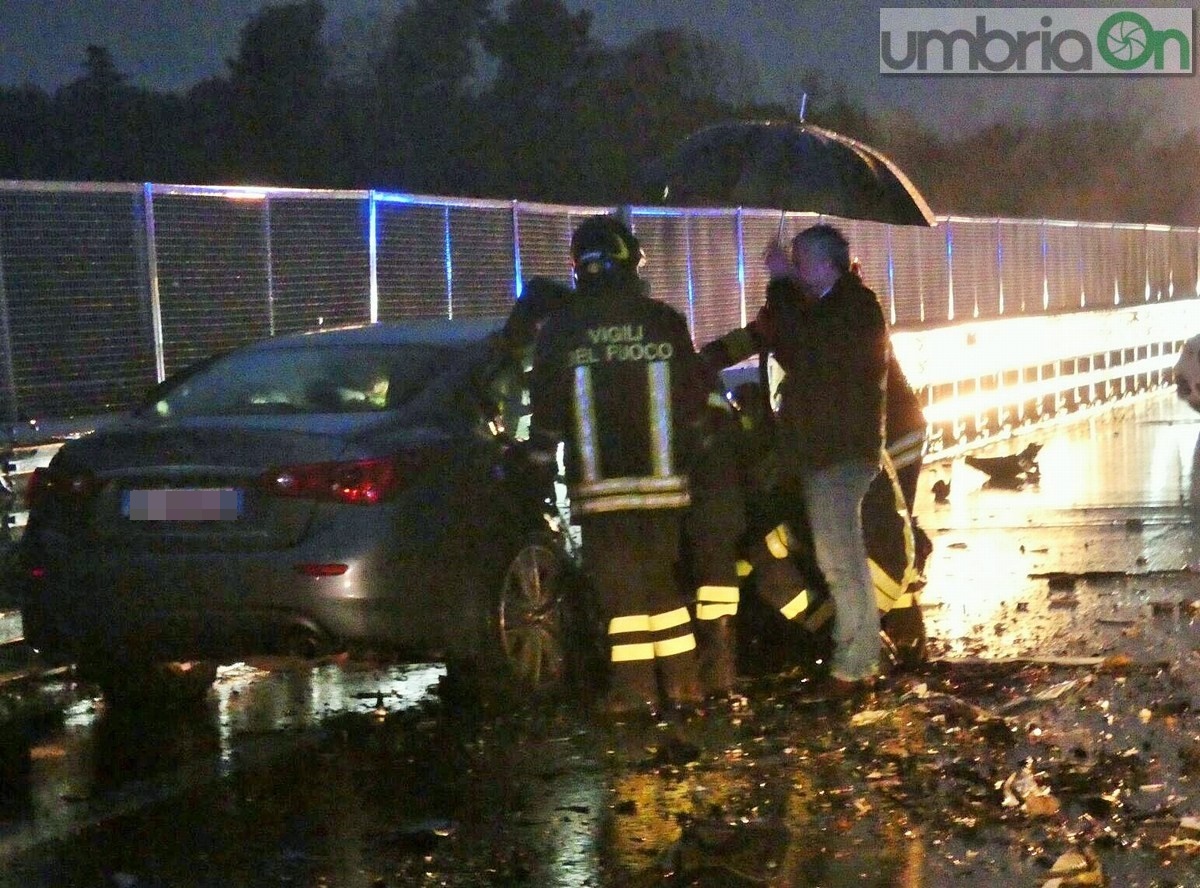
{"x":832,"y":689}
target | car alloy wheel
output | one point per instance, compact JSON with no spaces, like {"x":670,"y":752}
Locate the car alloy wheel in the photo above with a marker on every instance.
{"x":530,"y":616}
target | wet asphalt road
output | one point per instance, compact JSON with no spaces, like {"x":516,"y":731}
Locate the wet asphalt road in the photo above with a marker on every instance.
{"x":1051,"y":608}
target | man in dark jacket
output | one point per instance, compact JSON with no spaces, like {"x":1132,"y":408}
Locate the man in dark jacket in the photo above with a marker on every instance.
{"x":834,"y":347}
{"x":615,"y":376}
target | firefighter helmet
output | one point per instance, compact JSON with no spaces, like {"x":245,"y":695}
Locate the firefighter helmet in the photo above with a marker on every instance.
{"x":603,"y":248}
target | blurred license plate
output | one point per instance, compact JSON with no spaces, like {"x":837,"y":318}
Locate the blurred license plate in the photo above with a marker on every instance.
{"x":183,"y":504}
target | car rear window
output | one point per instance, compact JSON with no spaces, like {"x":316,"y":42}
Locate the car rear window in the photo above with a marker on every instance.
{"x":304,"y":379}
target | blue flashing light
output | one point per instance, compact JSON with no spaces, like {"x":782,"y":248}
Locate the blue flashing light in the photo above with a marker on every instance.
{"x":397,"y":197}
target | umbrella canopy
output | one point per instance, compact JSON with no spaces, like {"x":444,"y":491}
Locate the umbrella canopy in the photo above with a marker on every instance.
{"x":788,"y":166}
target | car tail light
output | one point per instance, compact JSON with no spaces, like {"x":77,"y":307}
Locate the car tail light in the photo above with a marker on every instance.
{"x":48,"y":482}
{"x":358,"y":482}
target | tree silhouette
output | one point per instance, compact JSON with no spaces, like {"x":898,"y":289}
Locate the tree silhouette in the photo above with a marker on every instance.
{"x":545,"y":60}
{"x":425,"y":86}
{"x":276,"y":90}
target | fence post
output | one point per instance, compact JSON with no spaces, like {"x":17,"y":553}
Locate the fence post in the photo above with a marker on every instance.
{"x":1000,"y":266}
{"x":156,"y":330}
{"x":372,"y":257}
{"x":1081,"y":266}
{"x":449,"y":264}
{"x":1045,"y":266}
{"x":739,"y":228}
{"x":949,"y":270}
{"x":891,"y":274}
{"x":516,"y":239}
{"x":270,"y":266}
{"x":691,"y":289}
{"x":10,"y":395}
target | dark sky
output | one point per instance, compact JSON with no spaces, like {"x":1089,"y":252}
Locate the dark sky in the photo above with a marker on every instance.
{"x":171,"y":44}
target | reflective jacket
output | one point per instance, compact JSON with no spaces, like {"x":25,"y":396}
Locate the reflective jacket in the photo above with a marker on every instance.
{"x":616,"y":377}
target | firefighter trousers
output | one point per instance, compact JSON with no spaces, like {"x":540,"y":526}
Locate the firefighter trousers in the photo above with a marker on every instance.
{"x":714,"y":526}
{"x":632,"y":558}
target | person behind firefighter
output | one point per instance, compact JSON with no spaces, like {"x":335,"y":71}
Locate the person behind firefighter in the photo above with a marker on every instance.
{"x":714,"y":527}
{"x":616,"y":378}
{"x":773,"y":525}
{"x":502,"y":380}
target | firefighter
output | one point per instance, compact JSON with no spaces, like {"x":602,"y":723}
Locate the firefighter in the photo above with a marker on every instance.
{"x":770,"y":553}
{"x":616,"y":378}
{"x":714,"y":528}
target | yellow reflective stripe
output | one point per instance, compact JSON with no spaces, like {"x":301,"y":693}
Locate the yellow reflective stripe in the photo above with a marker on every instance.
{"x":706,"y":611}
{"x":887,"y":590}
{"x":673,"y":646}
{"x":718,"y":593}
{"x":624,"y":653}
{"x":797,"y":605}
{"x":635,"y":623}
{"x":585,"y":424}
{"x":658,"y":378}
{"x":777,"y":541}
{"x":628,"y":502}
{"x":818,"y":618}
{"x":669,"y":619}
{"x":744,"y":568}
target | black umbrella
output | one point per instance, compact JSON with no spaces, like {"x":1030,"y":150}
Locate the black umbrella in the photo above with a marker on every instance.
{"x":788,"y":166}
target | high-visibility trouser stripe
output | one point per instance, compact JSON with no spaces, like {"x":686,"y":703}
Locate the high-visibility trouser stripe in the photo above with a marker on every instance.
{"x":797,"y":605}
{"x":585,"y":425}
{"x":669,"y":619}
{"x":658,"y":378}
{"x":671,"y":647}
{"x":887,"y":589}
{"x":779,"y":541}
{"x":677,"y":626}
{"x":907,"y":449}
{"x":624,"y":653}
{"x":630,"y":638}
{"x":713,"y":602}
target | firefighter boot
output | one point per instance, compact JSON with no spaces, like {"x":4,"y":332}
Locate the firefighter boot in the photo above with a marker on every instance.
{"x":632,"y":690}
{"x":717,"y":641}
{"x":679,"y":680}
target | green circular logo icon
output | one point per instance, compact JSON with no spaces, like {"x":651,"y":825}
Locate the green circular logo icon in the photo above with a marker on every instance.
{"x":1126,"y":40}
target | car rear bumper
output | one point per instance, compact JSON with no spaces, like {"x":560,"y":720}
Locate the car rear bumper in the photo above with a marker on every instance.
{"x":190,"y":606}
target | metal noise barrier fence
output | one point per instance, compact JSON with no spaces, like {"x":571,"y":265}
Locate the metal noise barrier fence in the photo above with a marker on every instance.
{"x":107,"y":288}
